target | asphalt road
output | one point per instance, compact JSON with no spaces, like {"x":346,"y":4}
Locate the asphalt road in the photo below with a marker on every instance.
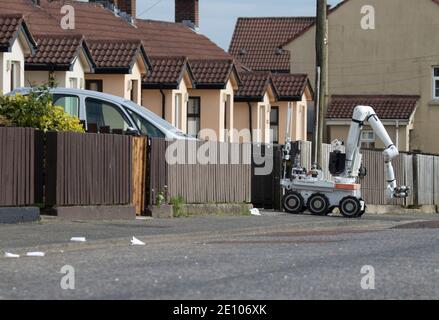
{"x":269,"y":257}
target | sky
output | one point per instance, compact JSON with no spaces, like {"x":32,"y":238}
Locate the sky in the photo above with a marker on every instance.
{"x":218,"y":17}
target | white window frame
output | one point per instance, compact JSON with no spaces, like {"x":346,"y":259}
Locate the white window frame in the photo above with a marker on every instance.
{"x":367,"y":139}
{"x":177,"y":110}
{"x":15,"y":76}
{"x":435,"y":78}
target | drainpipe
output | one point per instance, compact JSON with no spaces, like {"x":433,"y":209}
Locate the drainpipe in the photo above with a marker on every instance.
{"x":163,"y":104}
{"x":397,"y":134}
{"x":250,"y":121}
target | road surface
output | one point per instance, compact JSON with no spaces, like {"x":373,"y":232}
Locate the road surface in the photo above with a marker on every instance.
{"x":275,"y":256}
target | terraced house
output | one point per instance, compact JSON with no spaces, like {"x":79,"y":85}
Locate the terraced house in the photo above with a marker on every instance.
{"x":168,"y":67}
{"x":381,"y":53}
{"x":16,"y":43}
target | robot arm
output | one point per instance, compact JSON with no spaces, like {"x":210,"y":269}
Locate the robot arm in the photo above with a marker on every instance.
{"x":361,"y":115}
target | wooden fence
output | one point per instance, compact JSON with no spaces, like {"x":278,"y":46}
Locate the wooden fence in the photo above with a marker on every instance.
{"x":88,"y":169}
{"x":20,"y":185}
{"x":140,"y":174}
{"x":199,"y":171}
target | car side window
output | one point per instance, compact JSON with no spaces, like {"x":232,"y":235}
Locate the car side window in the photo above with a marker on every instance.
{"x":105,"y":115}
{"x":69,"y":103}
{"x":145,"y":127}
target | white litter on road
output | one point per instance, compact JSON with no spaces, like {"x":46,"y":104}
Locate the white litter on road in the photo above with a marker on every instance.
{"x":11,"y":255}
{"x":35,"y":254}
{"x":255,"y":212}
{"x":78,"y":239}
{"x":137,"y":242}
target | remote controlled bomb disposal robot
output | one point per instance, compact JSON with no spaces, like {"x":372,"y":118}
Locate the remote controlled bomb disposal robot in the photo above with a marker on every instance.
{"x":310,"y":191}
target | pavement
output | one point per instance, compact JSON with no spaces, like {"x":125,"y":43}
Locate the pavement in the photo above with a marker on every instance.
{"x":273,"y":256}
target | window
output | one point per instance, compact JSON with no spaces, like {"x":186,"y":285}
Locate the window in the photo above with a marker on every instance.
{"x":15,"y":75}
{"x":367,"y":139}
{"x":134,"y":91}
{"x":262,"y":124}
{"x":145,"y":127}
{"x":69,"y":103}
{"x":94,"y":85}
{"x":227,"y":105}
{"x":274,"y":124}
{"x":177,"y":111}
{"x":436,"y":83}
{"x":104,"y":114}
{"x":193,"y":116}
{"x":73,"y":83}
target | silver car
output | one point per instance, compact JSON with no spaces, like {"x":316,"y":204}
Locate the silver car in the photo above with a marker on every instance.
{"x":102,"y":111}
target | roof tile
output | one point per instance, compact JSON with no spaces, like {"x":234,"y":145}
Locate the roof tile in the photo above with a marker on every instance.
{"x":60,"y":50}
{"x":113,"y":53}
{"x":9,"y":26}
{"x":290,"y":86}
{"x":253,"y":86}
{"x":165,"y":71}
{"x":386,"y":106}
{"x":211,"y":72}
{"x":257,"y":42}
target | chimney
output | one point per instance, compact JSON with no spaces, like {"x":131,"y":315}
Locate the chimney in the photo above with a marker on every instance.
{"x":127,"y":6}
{"x":187,"y":11}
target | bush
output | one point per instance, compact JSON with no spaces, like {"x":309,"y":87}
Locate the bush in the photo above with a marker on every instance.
{"x":177,"y":206}
{"x":36,"y":110}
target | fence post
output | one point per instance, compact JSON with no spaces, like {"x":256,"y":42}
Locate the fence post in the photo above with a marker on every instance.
{"x":415,"y":180}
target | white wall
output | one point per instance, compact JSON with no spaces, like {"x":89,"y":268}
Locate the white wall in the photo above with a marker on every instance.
{"x":16,"y":54}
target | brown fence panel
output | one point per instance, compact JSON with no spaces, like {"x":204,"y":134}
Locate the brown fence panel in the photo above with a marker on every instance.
{"x":140,"y":178}
{"x":157,"y":168}
{"x":88,"y":169}
{"x":19,"y":185}
{"x":223,"y":175}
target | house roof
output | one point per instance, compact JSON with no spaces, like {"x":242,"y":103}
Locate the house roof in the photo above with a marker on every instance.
{"x":253,"y":86}
{"x":290,"y":87}
{"x":166,"y":72}
{"x":57,"y":52}
{"x":395,"y":107}
{"x":116,"y":56}
{"x":96,"y":22}
{"x":10,"y":27}
{"x":170,"y":39}
{"x":210,"y":74}
{"x":257,"y":42}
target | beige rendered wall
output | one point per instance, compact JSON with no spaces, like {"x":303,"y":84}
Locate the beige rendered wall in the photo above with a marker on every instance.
{"x":209,"y":111}
{"x":36,"y":78}
{"x":298,"y":120}
{"x":136,"y":76}
{"x":340,"y":132}
{"x":212,"y":110}
{"x":394,"y":58}
{"x":16,"y":54}
{"x":117,"y":84}
{"x":152,"y":100}
{"x":112,"y":83}
{"x":241,"y":121}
